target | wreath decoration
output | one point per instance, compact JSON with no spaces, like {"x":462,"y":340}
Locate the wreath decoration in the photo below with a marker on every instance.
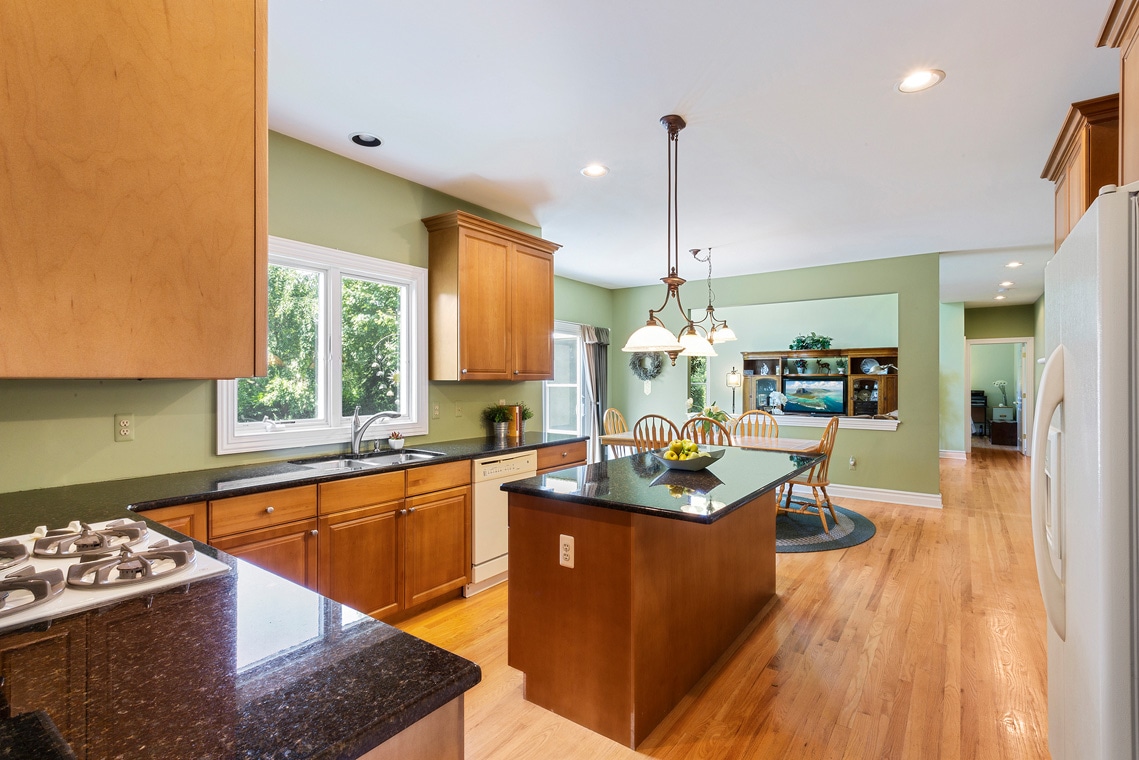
{"x":646,"y":365}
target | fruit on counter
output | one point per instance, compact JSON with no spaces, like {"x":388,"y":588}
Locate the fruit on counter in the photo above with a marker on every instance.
{"x":682,"y":449}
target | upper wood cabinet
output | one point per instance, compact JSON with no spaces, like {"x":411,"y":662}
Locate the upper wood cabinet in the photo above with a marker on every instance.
{"x":1084,"y":159}
{"x":1121,"y":30}
{"x":492,"y":300}
{"x":133,"y":238}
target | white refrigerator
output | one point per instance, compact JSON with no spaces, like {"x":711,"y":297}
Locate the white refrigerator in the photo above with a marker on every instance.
{"x":1084,"y":480}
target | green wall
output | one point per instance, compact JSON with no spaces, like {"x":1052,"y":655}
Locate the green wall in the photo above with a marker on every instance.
{"x":1000,"y":322}
{"x":59,"y":432}
{"x":905,"y":459}
{"x":1038,"y":349}
{"x":952,"y":384}
{"x":989,"y":362}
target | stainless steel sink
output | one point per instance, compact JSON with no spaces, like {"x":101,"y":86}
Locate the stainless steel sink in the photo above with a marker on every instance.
{"x":375,"y":461}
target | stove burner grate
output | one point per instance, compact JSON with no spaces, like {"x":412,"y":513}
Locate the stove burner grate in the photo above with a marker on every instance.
{"x":12,"y":552}
{"x":156,"y":561}
{"x":80,"y":539}
{"x":26,"y":588}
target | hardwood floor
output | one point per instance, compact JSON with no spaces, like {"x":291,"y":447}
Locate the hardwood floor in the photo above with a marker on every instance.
{"x":925,"y":642}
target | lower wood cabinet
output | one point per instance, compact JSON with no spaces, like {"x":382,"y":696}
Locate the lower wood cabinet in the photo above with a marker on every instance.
{"x":289,"y":551}
{"x":553,"y":458}
{"x":360,"y":558}
{"x":437,"y":544}
{"x":188,"y":519}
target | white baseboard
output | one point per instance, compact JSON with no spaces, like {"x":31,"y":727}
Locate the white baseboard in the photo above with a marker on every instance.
{"x":889,"y":496}
{"x":950,"y":454}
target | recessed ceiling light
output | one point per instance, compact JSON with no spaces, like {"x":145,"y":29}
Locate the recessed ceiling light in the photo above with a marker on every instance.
{"x":366,"y":140}
{"x":595,"y":170}
{"x":1007,"y":284}
{"x":921,"y":80}
{"x":1014,"y":264}
{"x":999,"y":298}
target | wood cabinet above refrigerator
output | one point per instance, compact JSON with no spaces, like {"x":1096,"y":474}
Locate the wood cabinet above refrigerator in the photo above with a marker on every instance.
{"x":1121,"y":30}
{"x":133,"y":239}
{"x":492,"y":300}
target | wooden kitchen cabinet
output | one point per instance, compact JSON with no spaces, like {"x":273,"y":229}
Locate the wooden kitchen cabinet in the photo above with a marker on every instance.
{"x":437,"y":541}
{"x":275,"y":530}
{"x":1084,"y":159}
{"x":133,"y":239}
{"x":492,"y":307}
{"x":1121,"y":30}
{"x":188,"y":519}
{"x":553,"y":458}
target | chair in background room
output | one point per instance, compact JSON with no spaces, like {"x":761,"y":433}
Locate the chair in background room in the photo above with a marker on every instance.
{"x":706,"y":430}
{"x":816,"y":479}
{"x":613,"y":423}
{"x":653,"y":432}
{"x":756,"y":423}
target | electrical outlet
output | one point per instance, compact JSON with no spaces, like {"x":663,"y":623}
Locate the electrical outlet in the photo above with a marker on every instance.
{"x":565,"y":551}
{"x":458,"y":410}
{"x":435,"y":412}
{"x":853,"y":463}
{"x":502,"y":402}
{"x":124,"y":427}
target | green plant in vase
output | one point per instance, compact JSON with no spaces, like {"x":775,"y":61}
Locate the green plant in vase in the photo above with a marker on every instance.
{"x":497,"y":416}
{"x":840,"y":365}
{"x":810,"y":342}
{"x":801,"y":366}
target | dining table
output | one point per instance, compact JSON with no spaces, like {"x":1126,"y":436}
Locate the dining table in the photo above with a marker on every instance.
{"x":765,"y":443}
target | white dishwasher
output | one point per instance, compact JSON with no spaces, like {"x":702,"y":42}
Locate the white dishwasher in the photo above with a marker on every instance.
{"x":489,"y":538}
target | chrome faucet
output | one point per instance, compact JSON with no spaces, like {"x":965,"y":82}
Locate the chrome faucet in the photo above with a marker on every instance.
{"x":358,"y":427}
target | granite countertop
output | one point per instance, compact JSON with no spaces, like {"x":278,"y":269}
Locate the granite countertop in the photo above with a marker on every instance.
{"x":241,"y":665}
{"x":641,"y":483}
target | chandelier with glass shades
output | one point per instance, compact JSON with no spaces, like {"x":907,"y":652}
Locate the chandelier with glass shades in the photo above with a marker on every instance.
{"x":654,"y":336}
{"x":717,"y":329}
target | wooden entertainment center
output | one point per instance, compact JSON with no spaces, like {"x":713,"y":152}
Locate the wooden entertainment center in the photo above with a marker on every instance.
{"x":863,"y":394}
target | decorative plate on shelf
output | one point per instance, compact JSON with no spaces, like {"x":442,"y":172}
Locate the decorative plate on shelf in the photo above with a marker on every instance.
{"x":695,"y":463}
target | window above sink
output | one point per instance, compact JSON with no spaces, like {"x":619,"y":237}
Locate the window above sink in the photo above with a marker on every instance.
{"x":344,"y":329}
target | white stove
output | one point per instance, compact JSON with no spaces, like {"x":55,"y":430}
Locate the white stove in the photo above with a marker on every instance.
{"x":50,"y":573}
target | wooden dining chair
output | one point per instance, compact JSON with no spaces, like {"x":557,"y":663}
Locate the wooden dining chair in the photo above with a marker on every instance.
{"x":756,"y":423}
{"x":653,"y":432}
{"x":614,"y":422}
{"x":817,"y":479}
{"x":706,"y":430}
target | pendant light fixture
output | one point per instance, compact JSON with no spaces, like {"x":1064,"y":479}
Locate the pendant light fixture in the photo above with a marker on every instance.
{"x":717,"y":329}
{"x":654,"y":336}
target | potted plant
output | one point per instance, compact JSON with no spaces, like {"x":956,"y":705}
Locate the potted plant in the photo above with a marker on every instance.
{"x":716,"y":413}
{"x":840,"y":365}
{"x":395,"y":440}
{"x":810,"y":342}
{"x":801,"y":366}
{"x":498,"y":416}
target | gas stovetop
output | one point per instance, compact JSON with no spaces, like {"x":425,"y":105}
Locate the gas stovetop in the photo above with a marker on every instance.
{"x":50,"y":573}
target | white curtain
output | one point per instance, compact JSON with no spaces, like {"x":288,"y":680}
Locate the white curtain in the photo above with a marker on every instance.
{"x":596,"y":340}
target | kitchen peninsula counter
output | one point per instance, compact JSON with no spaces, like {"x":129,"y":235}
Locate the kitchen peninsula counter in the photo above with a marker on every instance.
{"x":667,"y":568}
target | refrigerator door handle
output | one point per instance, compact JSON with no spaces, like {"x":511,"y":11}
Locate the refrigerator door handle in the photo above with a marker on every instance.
{"x":1050,"y":396}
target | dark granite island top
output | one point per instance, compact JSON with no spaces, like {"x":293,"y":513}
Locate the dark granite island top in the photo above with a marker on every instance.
{"x":641,"y":483}
{"x":628,"y":581}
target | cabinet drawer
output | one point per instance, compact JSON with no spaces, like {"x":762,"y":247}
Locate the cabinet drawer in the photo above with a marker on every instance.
{"x":361,"y":492}
{"x":436,"y":477}
{"x":261,"y":510}
{"x":565,"y":455}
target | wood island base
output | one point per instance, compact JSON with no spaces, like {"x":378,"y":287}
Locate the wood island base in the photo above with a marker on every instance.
{"x":651,"y":603}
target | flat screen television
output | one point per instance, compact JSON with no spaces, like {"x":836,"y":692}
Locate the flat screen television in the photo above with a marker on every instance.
{"x":823,"y":397}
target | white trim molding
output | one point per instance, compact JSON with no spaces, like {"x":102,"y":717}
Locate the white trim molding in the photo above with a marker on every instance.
{"x":844,"y":423}
{"x":950,"y":454}
{"x":886,"y":495}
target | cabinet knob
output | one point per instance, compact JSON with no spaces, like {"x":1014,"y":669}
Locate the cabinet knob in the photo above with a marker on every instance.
{"x":269,"y":510}
{"x":516,"y":372}
{"x":411,"y":511}
{"x":565,"y":454}
{"x":313,"y":532}
{"x":464,"y":371}
{"x":403,"y":511}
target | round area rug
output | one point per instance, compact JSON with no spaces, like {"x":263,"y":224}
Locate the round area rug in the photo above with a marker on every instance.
{"x":804,"y":533}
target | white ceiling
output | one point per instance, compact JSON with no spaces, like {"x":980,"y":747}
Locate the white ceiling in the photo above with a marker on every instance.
{"x":798,"y":150}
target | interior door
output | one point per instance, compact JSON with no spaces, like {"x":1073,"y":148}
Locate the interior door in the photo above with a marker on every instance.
{"x":1023,"y":368}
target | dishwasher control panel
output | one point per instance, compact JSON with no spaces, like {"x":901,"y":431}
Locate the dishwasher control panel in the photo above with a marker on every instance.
{"x":501,"y":468}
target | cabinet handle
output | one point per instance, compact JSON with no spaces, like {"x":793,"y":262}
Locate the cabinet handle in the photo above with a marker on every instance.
{"x":268,"y":510}
{"x":313,"y":532}
{"x":411,"y":511}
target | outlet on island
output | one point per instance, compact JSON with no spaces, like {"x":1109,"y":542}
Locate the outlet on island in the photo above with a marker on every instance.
{"x":565,"y":551}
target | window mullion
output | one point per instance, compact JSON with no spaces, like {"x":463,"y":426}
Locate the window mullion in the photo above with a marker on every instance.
{"x":333,"y":353}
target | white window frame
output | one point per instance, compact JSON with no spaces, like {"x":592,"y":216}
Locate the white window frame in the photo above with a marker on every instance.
{"x":331,"y":426}
{"x":568,"y":328}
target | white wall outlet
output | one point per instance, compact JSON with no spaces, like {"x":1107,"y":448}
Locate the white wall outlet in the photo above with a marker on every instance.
{"x":435,"y":412}
{"x":565,"y":550}
{"x":853,"y":463}
{"x":124,"y":427}
{"x":458,"y":410}
{"x":502,"y":402}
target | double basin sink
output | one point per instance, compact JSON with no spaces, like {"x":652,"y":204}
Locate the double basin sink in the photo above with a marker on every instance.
{"x":368,"y":461}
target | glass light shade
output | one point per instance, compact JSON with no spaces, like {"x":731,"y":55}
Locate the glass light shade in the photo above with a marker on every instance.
{"x":735,"y":379}
{"x":695,"y":344}
{"x":723,"y":334}
{"x":652,"y":337}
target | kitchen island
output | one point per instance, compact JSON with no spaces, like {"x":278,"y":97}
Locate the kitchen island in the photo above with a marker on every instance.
{"x":628,"y":581}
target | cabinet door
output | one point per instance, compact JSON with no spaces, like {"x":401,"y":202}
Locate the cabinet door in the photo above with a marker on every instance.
{"x":484,"y":320}
{"x":1076,"y":174}
{"x":1061,"y":210}
{"x":132,"y":215}
{"x":289,"y":551}
{"x":1129,"y":111}
{"x":187,"y":519}
{"x":532,"y":314}
{"x":437,"y":544}
{"x":359,"y":558}
{"x":47,"y":670}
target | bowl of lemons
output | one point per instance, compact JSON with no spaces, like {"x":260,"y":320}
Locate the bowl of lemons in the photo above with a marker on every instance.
{"x":687,"y":455}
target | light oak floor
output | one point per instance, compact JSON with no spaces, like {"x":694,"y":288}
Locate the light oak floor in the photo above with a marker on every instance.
{"x":925,"y":642}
